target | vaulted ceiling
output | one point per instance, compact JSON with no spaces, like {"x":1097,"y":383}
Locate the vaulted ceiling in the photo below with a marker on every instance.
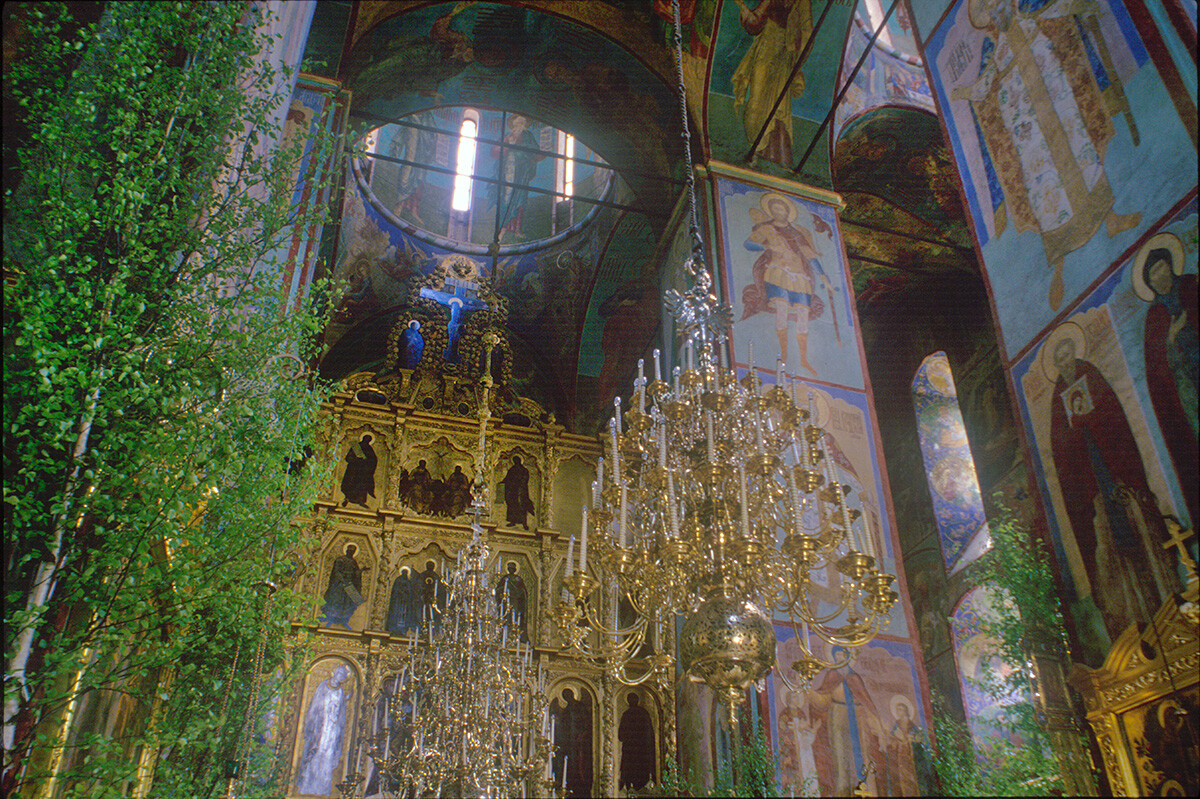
{"x":605,"y":72}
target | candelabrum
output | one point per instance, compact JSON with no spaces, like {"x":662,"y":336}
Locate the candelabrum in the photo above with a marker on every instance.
{"x":722,"y":503}
{"x":467,"y":714}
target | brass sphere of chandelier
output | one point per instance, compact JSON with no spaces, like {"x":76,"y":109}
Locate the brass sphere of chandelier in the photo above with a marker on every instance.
{"x":720,"y":500}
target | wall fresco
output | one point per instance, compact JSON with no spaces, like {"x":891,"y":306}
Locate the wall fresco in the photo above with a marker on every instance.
{"x":1107,"y":473}
{"x":785,"y":276}
{"x":863,"y":722}
{"x":1069,"y":144}
{"x":949,"y":467}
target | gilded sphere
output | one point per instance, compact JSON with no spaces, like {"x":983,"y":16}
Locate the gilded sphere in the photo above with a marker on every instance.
{"x":727,"y":643}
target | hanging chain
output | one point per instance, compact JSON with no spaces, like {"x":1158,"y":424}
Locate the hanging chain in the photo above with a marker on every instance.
{"x":702,"y":318}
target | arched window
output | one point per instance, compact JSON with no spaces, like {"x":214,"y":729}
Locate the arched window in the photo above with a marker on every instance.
{"x":468,"y":132}
{"x":949,"y":467}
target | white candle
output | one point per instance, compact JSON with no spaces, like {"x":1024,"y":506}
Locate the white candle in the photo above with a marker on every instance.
{"x":672,"y":510}
{"x":708,"y":429}
{"x":657,"y":365}
{"x":624,"y":508}
{"x":617,"y":414}
{"x":662,"y":442}
{"x":571,"y":545}
{"x":583,"y":547}
{"x":676,"y":376}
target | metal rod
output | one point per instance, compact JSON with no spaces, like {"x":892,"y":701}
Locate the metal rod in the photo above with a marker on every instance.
{"x":501,"y":143}
{"x":912,"y":236}
{"x":447,"y":171}
{"x":812,"y":37}
{"x":846,"y":86}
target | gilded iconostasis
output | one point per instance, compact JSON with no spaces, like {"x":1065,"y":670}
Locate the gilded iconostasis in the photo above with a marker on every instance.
{"x":971,"y":246}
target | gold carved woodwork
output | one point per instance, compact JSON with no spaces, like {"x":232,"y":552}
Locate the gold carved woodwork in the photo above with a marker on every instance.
{"x":394,"y":534}
{"x":1141,"y":699}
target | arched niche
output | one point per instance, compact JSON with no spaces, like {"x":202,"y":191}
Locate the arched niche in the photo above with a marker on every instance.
{"x":327,"y":718}
{"x":505,"y":465}
{"x":574,"y":710}
{"x":345,"y":580}
{"x":572,"y":488}
{"x":361,"y":475}
{"x":506,"y":566}
{"x":639,"y":749}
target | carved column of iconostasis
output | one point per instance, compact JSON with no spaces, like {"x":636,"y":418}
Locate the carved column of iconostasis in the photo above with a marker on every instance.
{"x":777,"y":254}
{"x":386,"y":532}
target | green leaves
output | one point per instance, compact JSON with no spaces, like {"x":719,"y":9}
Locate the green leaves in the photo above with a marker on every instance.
{"x":148,"y":405}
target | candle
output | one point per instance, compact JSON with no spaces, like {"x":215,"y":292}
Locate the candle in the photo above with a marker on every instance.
{"x":662,"y":442}
{"x":583,"y":548}
{"x":624,"y":508}
{"x":617,"y":415}
{"x":657,"y":365}
{"x":564,"y":771}
{"x":708,"y":429}
{"x":676,"y":375}
{"x":571,"y":545}
{"x":596,"y":486}
{"x":671,"y":505}
{"x":867,"y":537}
{"x":745,"y":504}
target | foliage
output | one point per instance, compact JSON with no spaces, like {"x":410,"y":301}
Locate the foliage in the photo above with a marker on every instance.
{"x":155,"y":396}
{"x":1011,"y":754}
{"x":750,"y":770}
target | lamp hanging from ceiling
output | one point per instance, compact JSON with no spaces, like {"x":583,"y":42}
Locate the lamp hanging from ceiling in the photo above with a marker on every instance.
{"x":467,"y":713}
{"x":721,"y":501}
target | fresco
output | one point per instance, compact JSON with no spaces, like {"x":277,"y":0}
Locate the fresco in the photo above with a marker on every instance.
{"x":1108,"y":475}
{"x":316,"y":110}
{"x":561,"y":313}
{"x":757,"y":46}
{"x":1068,"y":142}
{"x":500,"y":56}
{"x":785,"y":276}
{"x":889,"y":76}
{"x":949,"y":467}
{"x":979,"y":663}
{"x":866,"y":719}
{"x":850,"y":440}
{"x":524,"y":213}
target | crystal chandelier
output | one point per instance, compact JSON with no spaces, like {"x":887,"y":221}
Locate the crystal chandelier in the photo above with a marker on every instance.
{"x":468,"y":713}
{"x":720,"y":501}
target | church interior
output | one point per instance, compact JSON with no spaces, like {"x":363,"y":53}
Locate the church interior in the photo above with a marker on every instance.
{"x":958,"y":236}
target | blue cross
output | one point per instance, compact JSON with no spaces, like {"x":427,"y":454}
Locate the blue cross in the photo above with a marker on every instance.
{"x":459,"y":300}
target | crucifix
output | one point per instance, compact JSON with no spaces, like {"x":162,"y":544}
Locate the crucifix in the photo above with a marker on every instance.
{"x":461,"y":298}
{"x":1177,"y":537}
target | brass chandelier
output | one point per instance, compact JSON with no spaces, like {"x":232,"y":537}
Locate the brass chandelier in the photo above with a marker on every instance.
{"x":719,"y":501}
{"x":468,"y":714}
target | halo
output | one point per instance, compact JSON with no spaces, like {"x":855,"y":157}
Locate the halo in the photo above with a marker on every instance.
{"x":1046,"y":356}
{"x":899,"y":700}
{"x":1167,"y":241}
{"x":793,"y":211}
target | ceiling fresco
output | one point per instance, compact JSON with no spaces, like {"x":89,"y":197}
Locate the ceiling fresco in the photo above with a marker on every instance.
{"x":491,"y":55}
{"x":903,"y":216}
{"x":604,"y":71}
